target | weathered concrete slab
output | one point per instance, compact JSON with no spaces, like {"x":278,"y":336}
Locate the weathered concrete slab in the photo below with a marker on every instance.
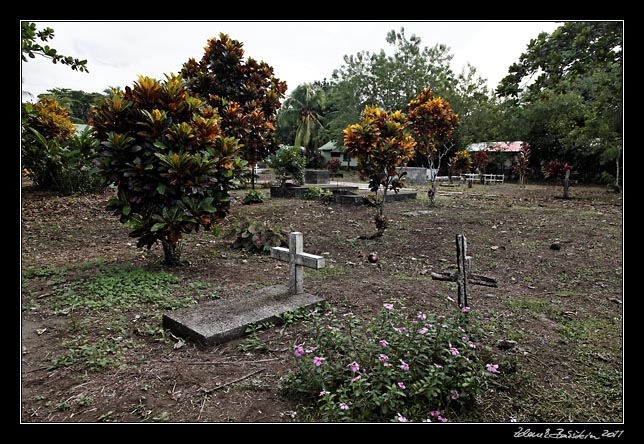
{"x":360,"y":199}
{"x":222,"y":320}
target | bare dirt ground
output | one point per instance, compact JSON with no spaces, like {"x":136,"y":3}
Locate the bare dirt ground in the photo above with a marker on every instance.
{"x":563,"y":307}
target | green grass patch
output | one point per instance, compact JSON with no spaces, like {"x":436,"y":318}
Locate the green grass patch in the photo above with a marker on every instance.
{"x":326,"y":272}
{"x":103,"y":353}
{"x":587,"y":330}
{"x":121,"y":287}
{"x":103,"y":337}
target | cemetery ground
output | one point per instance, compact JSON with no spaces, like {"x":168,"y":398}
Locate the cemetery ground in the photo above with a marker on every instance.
{"x":93,"y":349}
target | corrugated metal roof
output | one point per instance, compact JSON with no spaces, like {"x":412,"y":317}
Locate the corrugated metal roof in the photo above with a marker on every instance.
{"x":496,"y":147}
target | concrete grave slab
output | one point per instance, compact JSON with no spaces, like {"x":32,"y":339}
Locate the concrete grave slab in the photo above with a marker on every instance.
{"x":214,"y":322}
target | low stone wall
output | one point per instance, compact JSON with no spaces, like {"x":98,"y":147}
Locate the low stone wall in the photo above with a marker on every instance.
{"x":316,"y":176}
{"x":415,"y":175}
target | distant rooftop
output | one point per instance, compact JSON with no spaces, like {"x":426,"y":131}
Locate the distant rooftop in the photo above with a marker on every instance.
{"x":496,"y":147}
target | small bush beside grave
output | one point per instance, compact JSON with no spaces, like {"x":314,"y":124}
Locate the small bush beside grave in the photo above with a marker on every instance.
{"x":256,"y":236}
{"x":253,"y":197}
{"x":401,"y":366}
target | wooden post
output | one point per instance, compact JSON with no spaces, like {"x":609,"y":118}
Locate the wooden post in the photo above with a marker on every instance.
{"x":463,"y":276}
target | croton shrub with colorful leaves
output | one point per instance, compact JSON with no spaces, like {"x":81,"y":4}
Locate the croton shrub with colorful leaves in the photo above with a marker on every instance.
{"x":172,"y":164}
{"x":403,"y":365}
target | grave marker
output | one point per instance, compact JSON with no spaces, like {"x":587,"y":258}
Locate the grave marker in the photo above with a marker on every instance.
{"x":297,"y":260}
{"x":463,"y":276}
{"x":220,"y":320}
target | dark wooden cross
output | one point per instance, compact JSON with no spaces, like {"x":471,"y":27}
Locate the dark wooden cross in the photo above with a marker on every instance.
{"x":297,"y":260}
{"x":463,"y":276}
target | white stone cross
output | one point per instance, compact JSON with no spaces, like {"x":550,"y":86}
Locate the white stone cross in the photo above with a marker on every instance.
{"x":297,"y":259}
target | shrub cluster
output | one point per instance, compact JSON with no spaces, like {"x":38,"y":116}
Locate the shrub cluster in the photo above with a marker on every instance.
{"x":400,"y":366}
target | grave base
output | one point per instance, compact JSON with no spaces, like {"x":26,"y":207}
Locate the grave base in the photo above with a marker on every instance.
{"x":222,"y":320}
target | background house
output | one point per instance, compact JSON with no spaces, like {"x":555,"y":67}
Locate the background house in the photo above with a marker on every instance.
{"x":501,"y":155}
{"x":329,"y":151}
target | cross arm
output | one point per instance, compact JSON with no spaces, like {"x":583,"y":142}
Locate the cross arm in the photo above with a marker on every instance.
{"x":305,"y":259}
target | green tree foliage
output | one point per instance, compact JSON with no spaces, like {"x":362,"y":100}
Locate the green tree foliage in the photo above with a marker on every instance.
{"x":172,"y":164}
{"x":381,"y":144}
{"x":245,"y":93}
{"x":481,"y":115}
{"x":392,"y":81}
{"x":78,"y":102}
{"x":48,"y":118}
{"x":288,"y":162}
{"x":461,"y":162}
{"x":386,"y":81}
{"x":572,"y":110}
{"x":53,"y":155}
{"x":303,"y":110}
{"x":30,"y":36}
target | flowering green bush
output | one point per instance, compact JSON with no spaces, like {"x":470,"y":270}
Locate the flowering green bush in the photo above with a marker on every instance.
{"x":401,"y":366}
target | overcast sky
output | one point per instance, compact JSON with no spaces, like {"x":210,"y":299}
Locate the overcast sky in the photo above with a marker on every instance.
{"x":117,"y":52}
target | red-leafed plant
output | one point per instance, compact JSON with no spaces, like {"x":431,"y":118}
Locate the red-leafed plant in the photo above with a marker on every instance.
{"x":480,"y":161}
{"x":432,"y":124}
{"x":245,"y":93}
{"x":382,"y":145}
{"x":520,"y":165}
{"x":559,"y":170}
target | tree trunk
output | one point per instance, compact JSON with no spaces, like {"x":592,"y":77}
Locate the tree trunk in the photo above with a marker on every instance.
{"x":171,"y":253}
{"x":381,"y":224}
{"x":566,"y":184}
{"x":619,"y":154}
{"x":432,"y":193}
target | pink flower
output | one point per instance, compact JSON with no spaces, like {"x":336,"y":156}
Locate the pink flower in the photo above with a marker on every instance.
{"x":400,"y":329}
{"x":454,"y":394}
{"x":472,"y":345}
{"x":313,"y":313}
{"x":318,"y":361}
{"x":466,"y":309}
{"x":311,"y":349}
{"x":383,"y":357}
{"x":429,"y":325}
{"x":438,"y":366}
{"x":465,"y":338}
{"x":453,"y":351}
{"x":404,"y":365}
{"x":357,"y":378}
{"x":354,"y":366}
{"x":388,"y":306}
{"x":324,"y":392}
{"x":299,"y":350}
{"x":344,"y":406}
{"x":441,"y":419}
{"x":422,"y":331}
{"x":402,"y":385}
{"x":384,"y":343}
{"x":435,"y":413}
{"x":386,"y":364}
{"x":401,"y":418}
{"x":491,"y":367}
{"x":422,"y":316}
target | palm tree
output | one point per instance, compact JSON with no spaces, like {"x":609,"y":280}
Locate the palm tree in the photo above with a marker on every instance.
{"x":303,"y":109}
